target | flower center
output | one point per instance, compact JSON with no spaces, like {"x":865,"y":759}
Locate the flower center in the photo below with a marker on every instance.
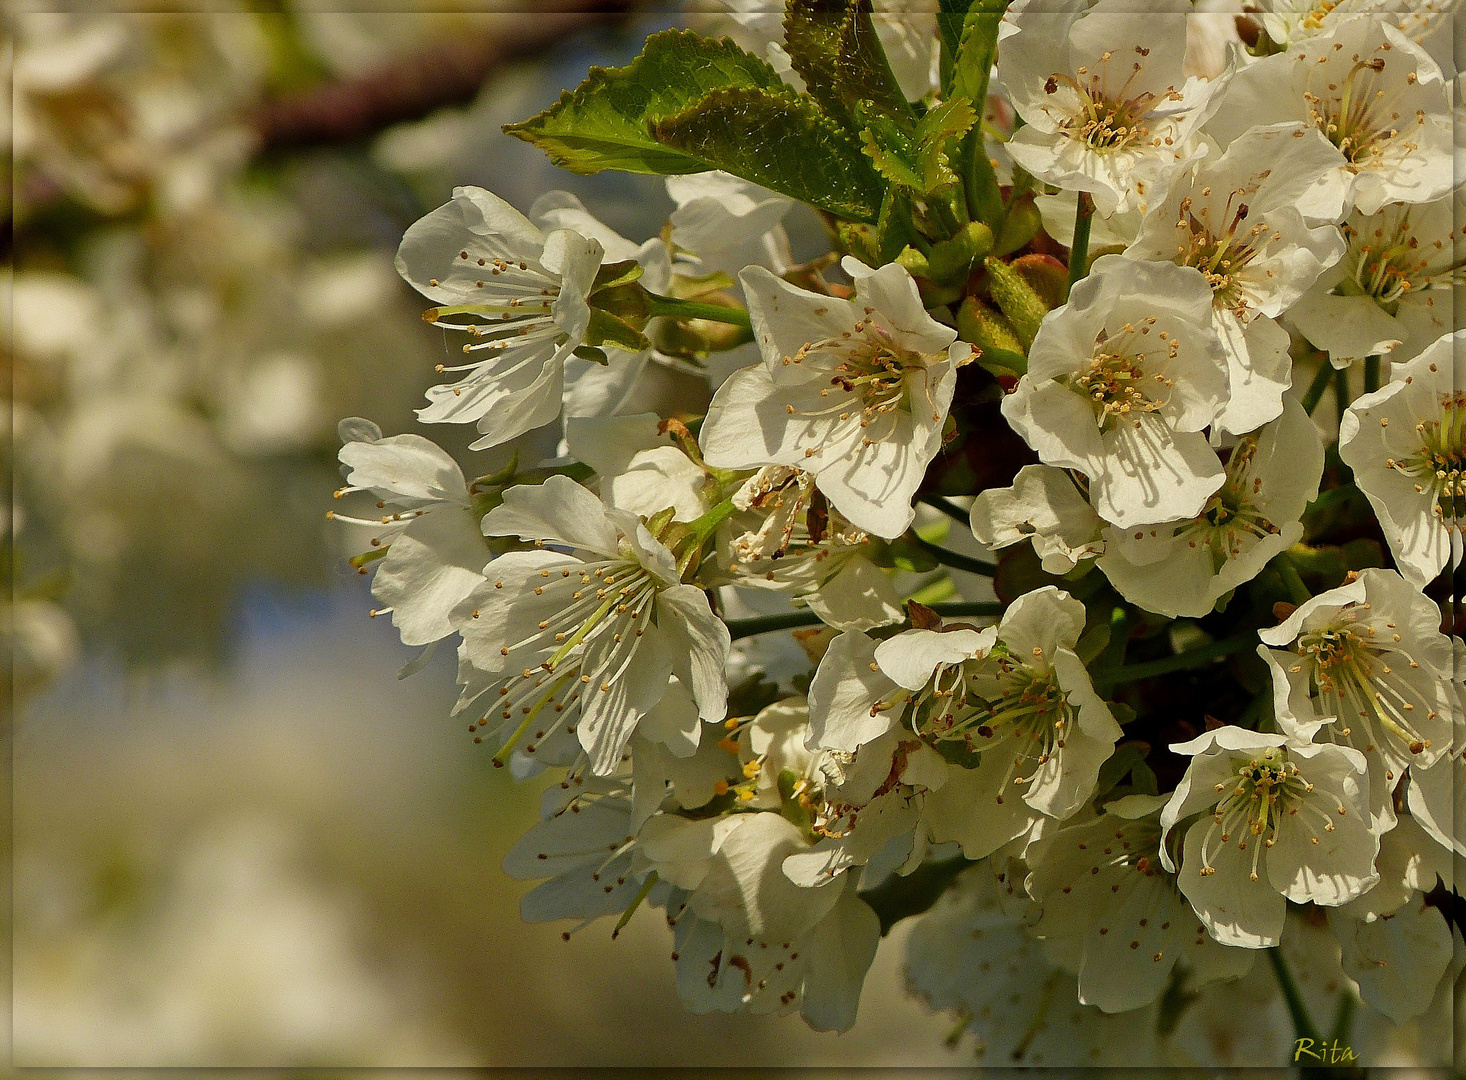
{"x":1222,"y":251}
{"x":1231,"y":518}
{"x":1387,"y":260}
{"x":871,"y":380}
{"x":1358,"y":113}
{"x":1106,"y":120}
{"x":1264,"y":791}
{"x":1116,"y":380}
{"x":518,"y":306}
{"x":1439,"y":466}
{"x":1353,"y":675}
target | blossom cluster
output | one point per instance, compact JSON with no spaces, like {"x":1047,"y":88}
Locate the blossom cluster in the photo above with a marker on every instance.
{"x":1068,"y":364}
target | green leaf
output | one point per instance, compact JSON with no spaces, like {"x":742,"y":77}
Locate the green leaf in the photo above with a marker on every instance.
{"x":1128,"y":756}
{"x":780,"y":140}
{"x":833,"y":46}
{"x":970,"y":73}
{"x":918,"y":162}
{"x":602,"y":123}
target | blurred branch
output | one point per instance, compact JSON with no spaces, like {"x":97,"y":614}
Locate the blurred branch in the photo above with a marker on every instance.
{"x":451,"y":72}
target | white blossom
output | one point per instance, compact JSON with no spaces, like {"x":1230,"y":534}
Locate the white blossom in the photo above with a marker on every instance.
{"x":1375,"y":94}
{"x":793,"y":542}
{"x":435,"y":553}
{"x":1290,"y":21}
{"x":853,"y":391}
{"x":1406,"y":443}
{"x":1236,"y":220}
{"x":749,"y":938}
{"x":1121,"y":382}
{"x":970,"y":955}
{"x":1043,"y":506}
{"x":1027,"y":707}
{"x":1397,"y":960}
{"x":1280,"y":820}
{"x":1182,"y":568}
{"x":1108,"y":898}
{"x":1393,"y":293}
{"x":1366,"y":666}
{"x":1103,"y":90}
{"x":727,"y":223}
{"x":526,"y":296}
{"x":585,"y":639}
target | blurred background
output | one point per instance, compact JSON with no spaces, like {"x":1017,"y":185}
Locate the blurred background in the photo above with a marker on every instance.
{"x":239,"y":840}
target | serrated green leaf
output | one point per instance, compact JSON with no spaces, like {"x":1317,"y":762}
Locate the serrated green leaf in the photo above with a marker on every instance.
{"x":833,"y":46}
{"x":971,"y":71}
{"x":780,"y":140}
{"x":603,"y":123}
{"x":919,"y":162}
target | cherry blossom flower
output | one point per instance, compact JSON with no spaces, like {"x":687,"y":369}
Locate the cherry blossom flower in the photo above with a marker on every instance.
{"x":1236,"y":219}
{"x":1406,"y":443}
{"x":1393,"y":291}
{"x":1365,"y":666}
{"x":852,"y":391}
{"x":1182,"y":568}
{"x":584,"y":639}
{"x":793,"y":542}
{"x":1102,"y":88}
{"x":435,"y":553}
{"x":1043,"y":506}
{"x":970,"y":955}
{"x":1375,"y":94}
{"x":1107,"y":898}
{"x":1121,"y":382}
{"x":527,"y":296}
{"x":1280,"y":820}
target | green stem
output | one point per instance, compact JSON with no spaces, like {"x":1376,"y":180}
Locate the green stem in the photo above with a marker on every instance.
{"x":673,"y":308}
{"x":1302,"y":1023}
{"x":954,"y":560}
{"x":946,"y":506}
{"x":793,"y":620}
{"x":1315,"y":390}
{"x":1297,"y":591}
{"x":1191,"y":658}
{"x":1371,"y":374}
{"x":1344,"y":1018}
{"x":1341,"y":391}
{"x":1079,"y":249}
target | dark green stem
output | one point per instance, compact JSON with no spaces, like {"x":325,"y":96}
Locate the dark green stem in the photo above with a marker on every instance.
{"x":1315,"y":390}
{"x":793,"y":620}
{"x":673,"y":308}
{"x":956,"y":561}
{"x":1371,"y":374}
{"x":1341,"y":390}
{"x":946,"y":506}
{"x":1344,"y":1018}
{"x":1079,"y":249}
{"x":1202,"y":654}
{"x":1302,"y":1023}
{"x":1297,"y":591}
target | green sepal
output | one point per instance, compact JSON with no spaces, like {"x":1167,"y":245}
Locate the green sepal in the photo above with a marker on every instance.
{"x":612,"y":275}
{"x":914,"y":262}
{"x":591,"y":353}
{"x":602,"y":123}
{"x":781,"y":141}
{"x":608,"y":329}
